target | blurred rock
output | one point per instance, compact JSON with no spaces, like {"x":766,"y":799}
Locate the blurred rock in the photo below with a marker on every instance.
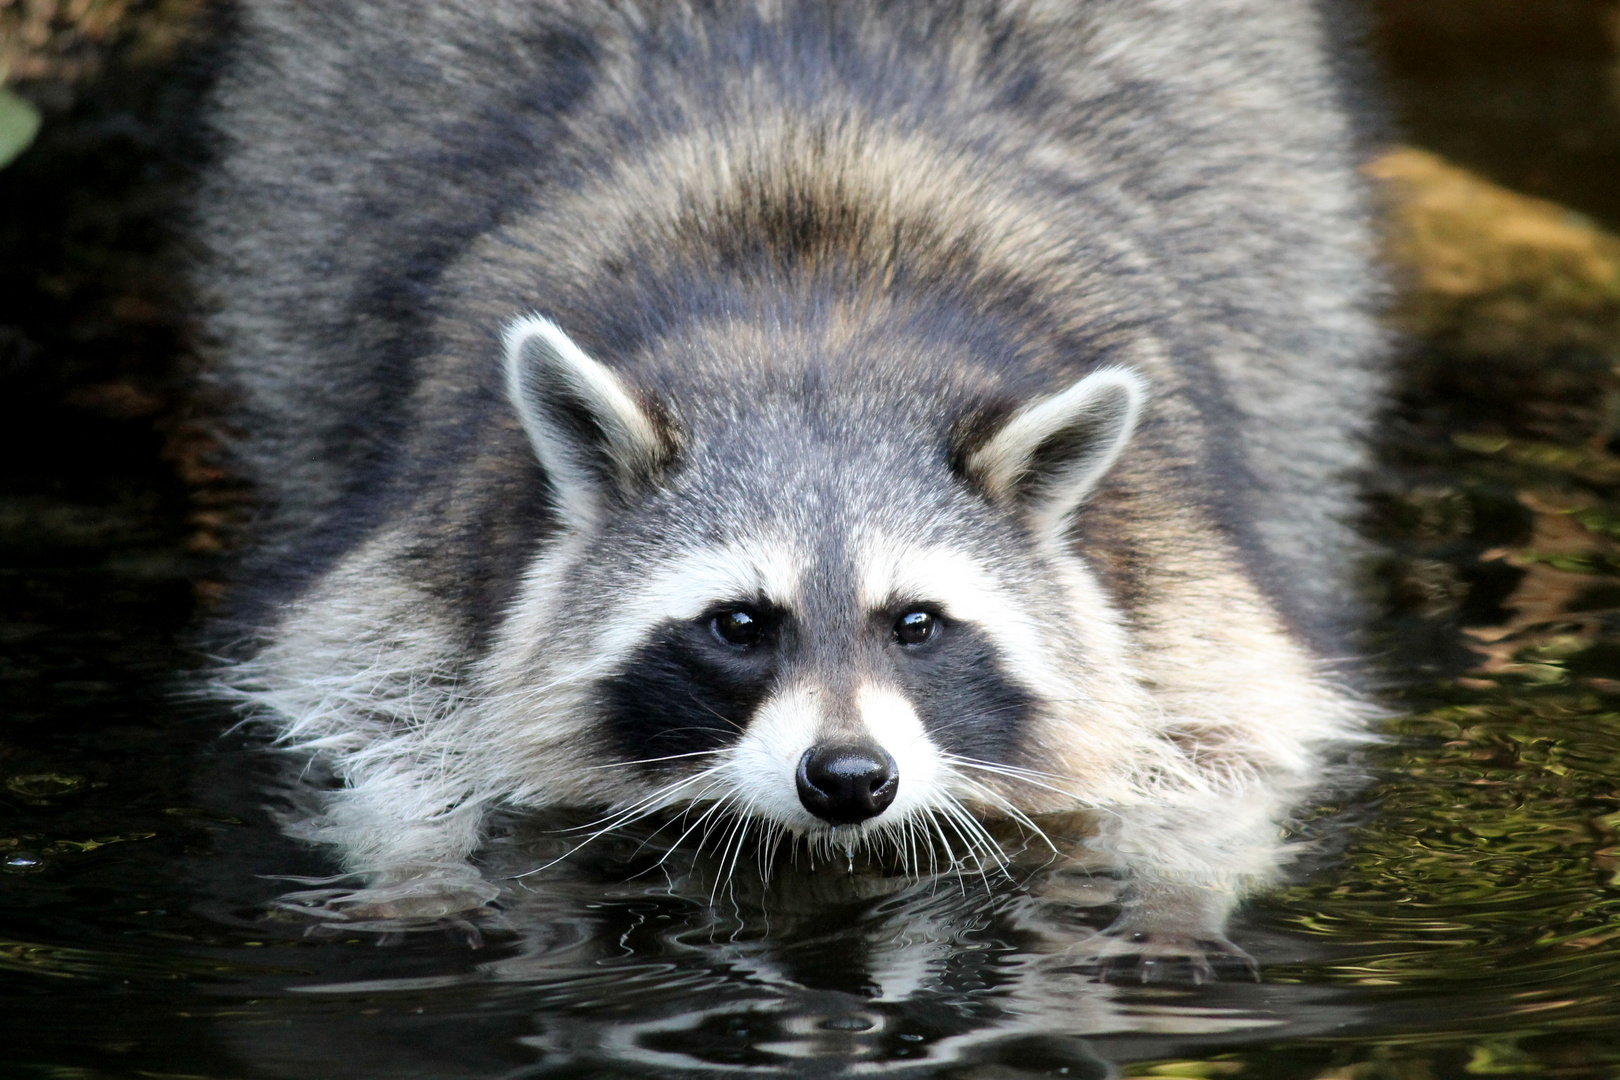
{"x":1490,"y":272}
{"x":68,"y":41}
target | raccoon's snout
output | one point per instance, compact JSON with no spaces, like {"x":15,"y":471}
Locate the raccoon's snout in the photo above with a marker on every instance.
{"x":845,"y":784}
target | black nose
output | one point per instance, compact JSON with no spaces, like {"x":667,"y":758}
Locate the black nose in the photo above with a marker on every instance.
{"x":847,"y":783}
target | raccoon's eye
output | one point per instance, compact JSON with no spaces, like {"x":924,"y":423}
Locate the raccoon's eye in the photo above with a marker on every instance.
{"x":738,"y":626}
{"x":915,"y":628}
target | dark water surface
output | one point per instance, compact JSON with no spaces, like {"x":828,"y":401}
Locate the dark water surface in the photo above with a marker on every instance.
{"x":1459,"y":914}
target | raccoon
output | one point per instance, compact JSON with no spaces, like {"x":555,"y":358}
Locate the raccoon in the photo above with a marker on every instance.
{"x":859,"y":420}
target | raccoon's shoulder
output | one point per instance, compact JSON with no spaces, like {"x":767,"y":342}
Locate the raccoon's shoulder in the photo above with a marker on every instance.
{"x":361,"y":147}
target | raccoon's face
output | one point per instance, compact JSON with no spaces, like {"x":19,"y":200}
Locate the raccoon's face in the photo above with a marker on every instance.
{"x":811,"y":612}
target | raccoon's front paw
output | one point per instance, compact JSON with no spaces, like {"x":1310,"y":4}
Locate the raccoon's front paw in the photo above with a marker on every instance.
{"x":1134,"y":955}
{"x":409,"y":904}
{"x":406,"y":909}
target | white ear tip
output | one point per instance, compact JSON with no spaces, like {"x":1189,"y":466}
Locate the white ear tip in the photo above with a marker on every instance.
{"x":1110,"y":399}
{"x":522,"y":327}
{"x":525,"y":328}
{"x":1093,"y":393}
{"x":1134,"y":386}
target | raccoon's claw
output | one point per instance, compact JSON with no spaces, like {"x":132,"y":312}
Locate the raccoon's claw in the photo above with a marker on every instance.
{"x":1168,"y":957}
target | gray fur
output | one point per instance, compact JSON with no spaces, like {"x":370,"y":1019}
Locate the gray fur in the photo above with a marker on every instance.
{"x":830,"y":250}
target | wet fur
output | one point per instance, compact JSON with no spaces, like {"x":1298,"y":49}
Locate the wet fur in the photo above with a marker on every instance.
{"x":832,"y":254}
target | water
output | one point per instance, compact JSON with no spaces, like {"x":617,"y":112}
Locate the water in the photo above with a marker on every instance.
{"x":1458,"y":914}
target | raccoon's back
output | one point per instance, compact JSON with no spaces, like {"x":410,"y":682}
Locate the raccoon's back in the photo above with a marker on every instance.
{"x":364,"y":145}
{"x":371,"y":143}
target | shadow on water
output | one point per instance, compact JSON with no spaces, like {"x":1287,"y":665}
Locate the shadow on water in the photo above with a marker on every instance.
{"x":1458,"y":915}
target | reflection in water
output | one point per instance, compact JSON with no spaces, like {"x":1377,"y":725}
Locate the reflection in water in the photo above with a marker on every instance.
{"x":819,"y":972}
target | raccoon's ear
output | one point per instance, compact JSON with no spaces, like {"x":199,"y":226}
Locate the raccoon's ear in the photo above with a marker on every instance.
{"x":1044,"y":459}
{"x":594,"y":440}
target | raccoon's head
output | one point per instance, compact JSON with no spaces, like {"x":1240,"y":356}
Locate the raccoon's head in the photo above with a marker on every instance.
{"x":831,"y":603}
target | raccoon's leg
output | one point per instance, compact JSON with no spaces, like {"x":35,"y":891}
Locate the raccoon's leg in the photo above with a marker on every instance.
{"x":1188,"y":866}
{"x":1182,"y":871}
{"x":413,"y":868}
{"x":1172,"y":933}
{"x":1165,"y":932}
{"x":361,"y":685}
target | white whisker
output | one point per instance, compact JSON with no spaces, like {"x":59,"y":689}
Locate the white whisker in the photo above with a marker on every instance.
{"x":1010,"y":810}
{"x":1026,"y":776}
{"x":640,"y":809}
{"x":656,"y":760}
{"x":679,"y":840}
